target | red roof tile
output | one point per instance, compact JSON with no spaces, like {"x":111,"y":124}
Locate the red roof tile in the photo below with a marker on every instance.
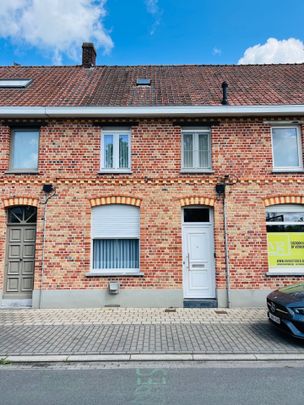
{"x":171,"y":85}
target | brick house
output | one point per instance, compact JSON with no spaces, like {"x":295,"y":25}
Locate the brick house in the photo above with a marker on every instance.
{"x":150,"y":185}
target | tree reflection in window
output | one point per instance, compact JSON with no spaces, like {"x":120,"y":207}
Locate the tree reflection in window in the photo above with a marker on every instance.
{"x":284,"y":217}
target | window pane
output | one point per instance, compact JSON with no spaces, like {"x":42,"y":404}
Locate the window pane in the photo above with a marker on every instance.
{"x":196,"y":215}
{"x":30,"y":214}
{"x":203,"y":145}
{"x":285,"y":147}
{"x":285,"y":217}
{"x":15,"y":215}
{"x":188,"y":150}
{"x":108,"y":151}
{"x":25,"y":150}
{"x":123,"y":151}
{"x":115,"y":254}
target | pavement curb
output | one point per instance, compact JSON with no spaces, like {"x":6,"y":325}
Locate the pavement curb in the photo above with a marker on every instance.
{"x":149,"y":357}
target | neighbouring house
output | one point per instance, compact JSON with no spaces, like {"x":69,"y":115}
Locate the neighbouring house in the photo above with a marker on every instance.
{"x":150,"y":185}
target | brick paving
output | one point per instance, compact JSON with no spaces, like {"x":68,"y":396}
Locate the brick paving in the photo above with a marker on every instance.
{"x":127,"y":316}
{"x":104,"y":331}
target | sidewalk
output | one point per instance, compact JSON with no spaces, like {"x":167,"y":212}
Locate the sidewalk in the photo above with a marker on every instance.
{"x":243,"y":333}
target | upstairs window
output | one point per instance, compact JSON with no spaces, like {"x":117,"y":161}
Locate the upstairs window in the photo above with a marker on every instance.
{"x":286,"y":149}
{"x":196,"y":150}
{"x":115,"y":151}
{"x":24,"y":150}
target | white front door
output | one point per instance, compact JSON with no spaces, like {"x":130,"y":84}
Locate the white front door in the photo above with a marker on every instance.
{"x":198,"y":261}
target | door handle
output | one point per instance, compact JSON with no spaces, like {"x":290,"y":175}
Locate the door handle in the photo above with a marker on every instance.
{"x":187,"y":261}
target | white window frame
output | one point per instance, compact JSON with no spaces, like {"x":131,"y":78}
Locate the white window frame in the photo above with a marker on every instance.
{"x":12,"y":151}
{"x":196,"y":132}
{"x":284,"y":208}
{"x":300,"y":154}
{"x":115,"y":132}
{"x":115,"y":271}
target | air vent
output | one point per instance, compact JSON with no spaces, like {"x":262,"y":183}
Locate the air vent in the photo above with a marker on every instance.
{"x":14,"y":83}
{"x":143,"y":82}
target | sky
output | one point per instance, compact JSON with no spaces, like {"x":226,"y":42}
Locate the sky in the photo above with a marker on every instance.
{"x":132,"y":32}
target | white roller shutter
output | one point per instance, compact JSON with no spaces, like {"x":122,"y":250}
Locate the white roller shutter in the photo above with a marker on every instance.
{"x":115,"y":221}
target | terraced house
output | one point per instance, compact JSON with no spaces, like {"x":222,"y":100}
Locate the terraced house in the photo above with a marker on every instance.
{"x":150,"y":185}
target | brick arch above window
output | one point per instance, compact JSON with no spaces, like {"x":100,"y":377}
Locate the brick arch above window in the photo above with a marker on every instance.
{"x":9,"y":202}
{"x":197,"y":201}
{"x":115,"y":200}
{"x":283,"y":199}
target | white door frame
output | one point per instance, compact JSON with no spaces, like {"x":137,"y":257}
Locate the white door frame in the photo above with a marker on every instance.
{"x":196,"y":225}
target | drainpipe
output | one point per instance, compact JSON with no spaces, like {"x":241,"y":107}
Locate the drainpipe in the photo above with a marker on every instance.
{"x":226,"y":251}
{"x":220,"y":190}
{"x":47,"y":189}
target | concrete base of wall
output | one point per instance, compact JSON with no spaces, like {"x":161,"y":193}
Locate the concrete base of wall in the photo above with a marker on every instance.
{"x":140,"y":298}
{"x":243,"y":298}
{"x":143,"y":298}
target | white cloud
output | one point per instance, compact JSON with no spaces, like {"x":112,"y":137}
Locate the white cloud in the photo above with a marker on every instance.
{"x":154,"y":9}
{"x":275,"y":51}
{"x":152,"y":6}
{"x":56,"y":27}
{"x":216,"y":51}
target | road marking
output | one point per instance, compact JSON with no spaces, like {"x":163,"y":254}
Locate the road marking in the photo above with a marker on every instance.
{"x":149,"y":384}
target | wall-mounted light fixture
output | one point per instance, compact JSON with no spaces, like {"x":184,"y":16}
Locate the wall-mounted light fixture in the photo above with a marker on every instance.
{"x":220,"y":188}
{"x":48,"y":188}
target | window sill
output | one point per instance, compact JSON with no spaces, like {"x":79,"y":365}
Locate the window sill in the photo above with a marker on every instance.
{"x":276,"y":273}
{"x":21,"y":172}
{"x":112,"y":274}
{"x":198,"y":171}
{"x":115,"y":172}
{"x":278,"y":171}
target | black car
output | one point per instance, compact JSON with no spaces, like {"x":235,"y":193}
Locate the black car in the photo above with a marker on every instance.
{"x":286,"y":309}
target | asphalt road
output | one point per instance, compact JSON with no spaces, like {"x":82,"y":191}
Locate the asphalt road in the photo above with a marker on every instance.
{"x":157,"y":385}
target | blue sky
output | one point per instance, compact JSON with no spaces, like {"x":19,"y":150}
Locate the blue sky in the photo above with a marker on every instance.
{"x":151,"y":31}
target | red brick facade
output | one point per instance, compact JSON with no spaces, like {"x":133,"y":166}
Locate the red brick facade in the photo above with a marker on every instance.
{"x":69,"y":158}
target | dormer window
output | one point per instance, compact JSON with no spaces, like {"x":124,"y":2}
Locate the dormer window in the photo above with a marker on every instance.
{"x":143,"y":82}
{"x":14,"y":83}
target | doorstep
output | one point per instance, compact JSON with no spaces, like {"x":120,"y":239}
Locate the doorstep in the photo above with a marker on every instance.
{"x":200,"y":303}
{"x":15,"y":304}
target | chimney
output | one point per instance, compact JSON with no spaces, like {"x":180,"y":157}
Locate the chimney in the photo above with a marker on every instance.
{"x":225,"y":93}
{"x":88,"y":55}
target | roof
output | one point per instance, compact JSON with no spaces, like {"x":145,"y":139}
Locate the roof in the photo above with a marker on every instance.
{"x":177,"y":85}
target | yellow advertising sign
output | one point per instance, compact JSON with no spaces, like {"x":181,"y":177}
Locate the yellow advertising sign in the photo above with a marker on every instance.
{"x":285,"y":249}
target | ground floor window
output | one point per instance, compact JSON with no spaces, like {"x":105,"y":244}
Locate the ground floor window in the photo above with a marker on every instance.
{"x":118,"y":254}
{"x":285,"y":238}
{"x":115,"y":238}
